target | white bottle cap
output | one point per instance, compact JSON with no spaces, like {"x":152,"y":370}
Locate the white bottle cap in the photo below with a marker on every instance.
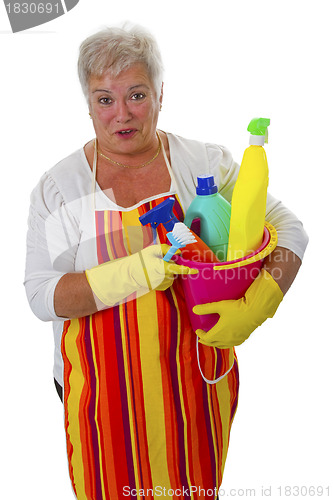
{"x":257,"y":140}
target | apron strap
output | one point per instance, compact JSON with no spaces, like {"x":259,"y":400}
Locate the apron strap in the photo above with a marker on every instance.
{"x":93,"y":179}
{"x":166,"y":159}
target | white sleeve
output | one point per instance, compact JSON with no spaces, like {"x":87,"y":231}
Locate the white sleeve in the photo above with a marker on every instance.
{"x":52,"y":241}
{"x":290,"y":231}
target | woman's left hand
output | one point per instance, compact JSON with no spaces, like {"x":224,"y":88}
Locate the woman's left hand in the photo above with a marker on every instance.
{"x":239,"y":318}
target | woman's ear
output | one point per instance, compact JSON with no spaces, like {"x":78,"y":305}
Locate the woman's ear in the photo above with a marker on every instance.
{"x":161,"y":96}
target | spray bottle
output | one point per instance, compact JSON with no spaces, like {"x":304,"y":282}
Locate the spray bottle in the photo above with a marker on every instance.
{"x":248,"y":203}
{"x":214,"y":213}
{"x":162,"y":214}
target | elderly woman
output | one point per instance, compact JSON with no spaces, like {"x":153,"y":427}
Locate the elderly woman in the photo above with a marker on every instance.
{"x":140,"y":419}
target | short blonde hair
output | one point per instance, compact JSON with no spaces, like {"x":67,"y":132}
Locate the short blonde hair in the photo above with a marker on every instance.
{"x":116,"y":49}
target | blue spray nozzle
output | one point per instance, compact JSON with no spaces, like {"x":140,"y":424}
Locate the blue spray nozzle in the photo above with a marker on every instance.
{"x":206,"y":185}
{"x":161,"y":214}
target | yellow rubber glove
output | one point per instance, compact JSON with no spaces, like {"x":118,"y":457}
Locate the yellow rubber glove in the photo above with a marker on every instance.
{"x":239,"y":318}
{"x":141,"y":272}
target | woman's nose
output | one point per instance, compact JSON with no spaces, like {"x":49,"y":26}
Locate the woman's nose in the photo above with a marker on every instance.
{"x":123,"y":112}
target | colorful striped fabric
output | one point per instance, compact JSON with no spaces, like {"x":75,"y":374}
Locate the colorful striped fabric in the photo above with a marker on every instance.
{"x":139,"y":418}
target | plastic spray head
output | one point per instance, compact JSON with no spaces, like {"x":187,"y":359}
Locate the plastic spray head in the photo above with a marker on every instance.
{"x":258,"y":130}
{"x":161,"y":214}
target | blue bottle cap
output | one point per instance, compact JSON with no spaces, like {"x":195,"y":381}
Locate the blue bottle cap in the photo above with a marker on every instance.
{"x":206,"y":185}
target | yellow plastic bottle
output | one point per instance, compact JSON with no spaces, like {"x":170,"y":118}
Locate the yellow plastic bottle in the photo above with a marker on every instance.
{"x":248,"y":203}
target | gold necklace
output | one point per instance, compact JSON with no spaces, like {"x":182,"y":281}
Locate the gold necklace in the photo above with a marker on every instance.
{"x":129,"y":166}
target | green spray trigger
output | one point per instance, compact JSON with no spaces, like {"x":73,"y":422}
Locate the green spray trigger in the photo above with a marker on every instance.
{"x":258,"y":126}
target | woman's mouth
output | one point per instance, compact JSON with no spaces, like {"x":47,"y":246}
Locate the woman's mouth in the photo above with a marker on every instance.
{"x":126,"y":133}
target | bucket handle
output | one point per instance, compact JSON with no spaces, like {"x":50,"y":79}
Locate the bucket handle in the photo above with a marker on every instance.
{"x":211,"y":382}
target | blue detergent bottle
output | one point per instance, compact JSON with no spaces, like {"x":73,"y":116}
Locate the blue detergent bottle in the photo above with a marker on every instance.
{"x":213,"y":211}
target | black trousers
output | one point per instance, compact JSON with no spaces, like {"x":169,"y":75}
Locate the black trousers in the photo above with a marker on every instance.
{"x":58,"y":389}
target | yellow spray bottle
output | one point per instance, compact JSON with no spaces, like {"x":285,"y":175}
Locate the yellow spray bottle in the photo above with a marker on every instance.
{"x":248,"y":203}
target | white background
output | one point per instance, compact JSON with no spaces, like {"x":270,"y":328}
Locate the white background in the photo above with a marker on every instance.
{"x":225,"y":62}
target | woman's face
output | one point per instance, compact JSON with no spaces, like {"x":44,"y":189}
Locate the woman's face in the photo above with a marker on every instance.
{"x":125,"y":111}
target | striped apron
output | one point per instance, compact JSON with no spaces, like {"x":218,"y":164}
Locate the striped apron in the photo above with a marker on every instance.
{"x":140,"y":419}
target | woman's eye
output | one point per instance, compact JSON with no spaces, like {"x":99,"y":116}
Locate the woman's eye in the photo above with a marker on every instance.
{"x":138,"y":96}
{"x":104,"y":100}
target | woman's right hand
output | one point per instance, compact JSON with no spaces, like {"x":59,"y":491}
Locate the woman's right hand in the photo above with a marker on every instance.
{"x":141,"y":272}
